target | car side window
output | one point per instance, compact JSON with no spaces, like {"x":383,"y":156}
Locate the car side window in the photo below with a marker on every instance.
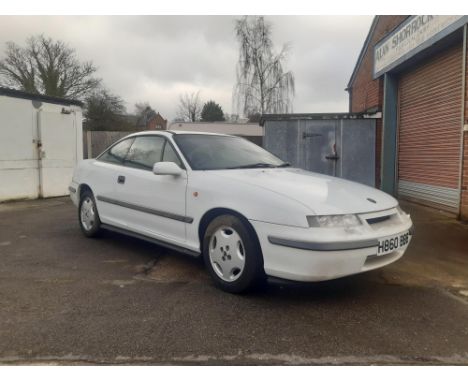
{"x":116,"y":154}
{"x":145,"y":152}
{"x":170,"y":155}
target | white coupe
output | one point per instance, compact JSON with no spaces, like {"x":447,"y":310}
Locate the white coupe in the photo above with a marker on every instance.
{"x":248,"y":213}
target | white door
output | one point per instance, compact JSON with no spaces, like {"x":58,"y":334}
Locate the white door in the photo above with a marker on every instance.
{"x":103,"y":182}
{"x":19,"y":177}
{"x":58,"y":152}
{"x":153,"y":205}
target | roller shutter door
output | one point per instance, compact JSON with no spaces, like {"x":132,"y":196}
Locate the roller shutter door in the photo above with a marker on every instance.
{"x":430,"y":107}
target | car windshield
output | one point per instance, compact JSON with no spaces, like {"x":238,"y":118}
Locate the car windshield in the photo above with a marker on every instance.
{"x":220,"y":152}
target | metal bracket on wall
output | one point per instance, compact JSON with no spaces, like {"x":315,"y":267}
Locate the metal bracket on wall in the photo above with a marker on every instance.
{"x":310,"y":135}
{"x":332,"y":157}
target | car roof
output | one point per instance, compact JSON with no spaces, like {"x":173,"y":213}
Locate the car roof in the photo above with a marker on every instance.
{"x":174,"y":132}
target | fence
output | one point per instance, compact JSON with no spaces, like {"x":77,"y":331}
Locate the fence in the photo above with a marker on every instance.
{"x":95,"y":142}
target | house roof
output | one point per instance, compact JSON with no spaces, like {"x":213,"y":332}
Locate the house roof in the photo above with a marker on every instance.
{"x":139,"y":121}
{"x":363,"y":50}
{"x":38,"y":97}
{"x":366,"y":46}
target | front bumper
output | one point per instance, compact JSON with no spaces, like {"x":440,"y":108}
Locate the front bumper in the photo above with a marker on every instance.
{"x":73,"y":188}
{"x":316,"y":254}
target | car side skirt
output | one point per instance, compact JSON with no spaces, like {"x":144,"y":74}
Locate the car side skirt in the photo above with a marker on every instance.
{"x":162,"y":243}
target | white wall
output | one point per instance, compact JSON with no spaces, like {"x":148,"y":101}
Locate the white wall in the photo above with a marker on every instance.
{"x":19,"y":153}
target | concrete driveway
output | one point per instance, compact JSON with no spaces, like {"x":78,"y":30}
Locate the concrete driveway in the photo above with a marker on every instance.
{"x":65,"y":299}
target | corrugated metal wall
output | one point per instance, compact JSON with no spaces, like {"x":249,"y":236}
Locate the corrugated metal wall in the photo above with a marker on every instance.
{"x":310,"y":144}
{"x":430,"y":109}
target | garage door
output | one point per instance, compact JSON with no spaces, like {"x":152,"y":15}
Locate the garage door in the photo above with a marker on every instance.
{"x":59,"y":154}
{"x":430,"y":107}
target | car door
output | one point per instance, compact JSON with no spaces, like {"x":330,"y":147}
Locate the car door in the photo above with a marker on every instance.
{"x":102,"y":179}
{"x":149,"y":204}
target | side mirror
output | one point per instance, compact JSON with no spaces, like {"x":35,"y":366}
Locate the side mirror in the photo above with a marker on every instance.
{"x":167,"y":168}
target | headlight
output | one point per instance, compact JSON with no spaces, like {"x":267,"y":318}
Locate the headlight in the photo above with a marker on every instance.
{"x":333,"y":221}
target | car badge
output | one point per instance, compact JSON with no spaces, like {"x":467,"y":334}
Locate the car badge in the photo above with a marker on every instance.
{"x":371,"y":200}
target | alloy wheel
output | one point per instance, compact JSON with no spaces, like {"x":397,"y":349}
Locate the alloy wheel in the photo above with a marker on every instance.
{"x":227,"y":253}
{"x":87,"y":214}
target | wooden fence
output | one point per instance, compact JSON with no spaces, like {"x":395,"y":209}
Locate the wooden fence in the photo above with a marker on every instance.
{"x":95,"y":142}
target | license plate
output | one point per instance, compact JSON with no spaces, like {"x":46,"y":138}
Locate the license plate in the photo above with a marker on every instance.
{"x":392,"y":243}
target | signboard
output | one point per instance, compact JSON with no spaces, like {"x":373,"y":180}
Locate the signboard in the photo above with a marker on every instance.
{"x":412,"y":36}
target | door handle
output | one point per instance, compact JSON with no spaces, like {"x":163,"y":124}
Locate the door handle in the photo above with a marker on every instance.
{"x":121,"y":179}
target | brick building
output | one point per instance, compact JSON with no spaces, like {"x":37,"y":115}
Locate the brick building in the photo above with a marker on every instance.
{"x":148,"y":121}
{"x":156,"y":122}
{"x":413,"y":70}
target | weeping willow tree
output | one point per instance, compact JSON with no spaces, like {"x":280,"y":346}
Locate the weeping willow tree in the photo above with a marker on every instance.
{"x":262,"y":84}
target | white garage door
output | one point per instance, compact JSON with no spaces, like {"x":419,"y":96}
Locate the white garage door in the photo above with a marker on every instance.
{"x":58,"y":152}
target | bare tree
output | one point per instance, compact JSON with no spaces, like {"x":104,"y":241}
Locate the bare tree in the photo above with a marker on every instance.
{"x":232,"y":118}
{"x":47,"y":67}
{"x":262,"y":84}
{"x":190,"y":107}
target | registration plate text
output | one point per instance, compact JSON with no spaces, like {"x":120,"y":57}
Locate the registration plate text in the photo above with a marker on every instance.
{"x":392,"y":243}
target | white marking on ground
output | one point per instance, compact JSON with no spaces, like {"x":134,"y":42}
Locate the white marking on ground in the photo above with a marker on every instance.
{"x":119,"y":283}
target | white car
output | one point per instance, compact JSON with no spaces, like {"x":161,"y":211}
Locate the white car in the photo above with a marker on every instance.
{"x":248,"y":213}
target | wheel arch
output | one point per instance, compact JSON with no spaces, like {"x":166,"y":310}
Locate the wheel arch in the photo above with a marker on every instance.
{"x":82,"y":188}
{"x":213,"y":213}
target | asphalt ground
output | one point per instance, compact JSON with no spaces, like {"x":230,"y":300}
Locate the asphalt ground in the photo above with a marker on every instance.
{"x":66,"y":299}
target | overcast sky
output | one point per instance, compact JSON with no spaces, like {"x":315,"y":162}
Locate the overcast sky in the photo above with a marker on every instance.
{"x":156,"y":58}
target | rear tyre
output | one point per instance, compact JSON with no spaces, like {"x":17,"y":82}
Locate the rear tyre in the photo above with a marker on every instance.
{"x":88,"y":215}
{"x":232,"y":254}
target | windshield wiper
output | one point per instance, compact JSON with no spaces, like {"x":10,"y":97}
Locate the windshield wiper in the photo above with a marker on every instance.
{"x":285,"y":164}
{"x":253,"y":165}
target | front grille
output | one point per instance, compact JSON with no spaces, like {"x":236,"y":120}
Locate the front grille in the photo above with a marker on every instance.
{"x":381,"y":219}
{"x":378,"y":219}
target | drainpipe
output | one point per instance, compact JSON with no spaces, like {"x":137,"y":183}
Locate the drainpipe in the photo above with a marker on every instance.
{"x":39,"y":152}
{"x":460,"y":177}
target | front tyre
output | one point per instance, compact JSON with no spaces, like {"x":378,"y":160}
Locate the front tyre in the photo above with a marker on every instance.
{"x":88,"y":215}
{"x":232,"y":254}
